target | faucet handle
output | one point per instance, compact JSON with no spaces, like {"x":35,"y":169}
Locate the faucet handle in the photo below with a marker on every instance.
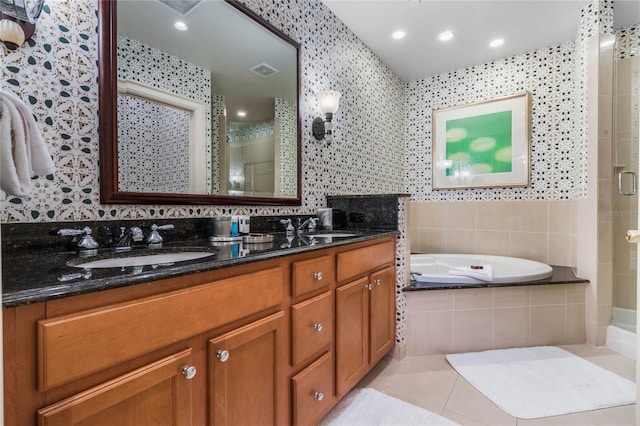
{"x":155,"y":238}
{"x":288,"y":225}
{"x":81,"y":237}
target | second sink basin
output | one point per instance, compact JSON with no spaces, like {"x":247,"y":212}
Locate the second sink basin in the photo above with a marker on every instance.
{"x":139,"y":260}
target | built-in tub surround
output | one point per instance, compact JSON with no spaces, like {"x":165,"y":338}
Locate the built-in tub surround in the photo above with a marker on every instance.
{"x":465,"y":320}
{"x":542,"y":230}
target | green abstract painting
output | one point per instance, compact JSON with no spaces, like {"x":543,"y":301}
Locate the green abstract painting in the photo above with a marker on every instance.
{"x":479,"y":145}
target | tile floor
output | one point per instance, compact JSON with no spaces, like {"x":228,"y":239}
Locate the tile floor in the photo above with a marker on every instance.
{"x":430,"y":382}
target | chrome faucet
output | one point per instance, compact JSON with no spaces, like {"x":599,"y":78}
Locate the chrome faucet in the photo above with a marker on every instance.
{"x":310,"y":224}
{"x":82,"y":238}
{"x":288,"y":226}
{"x":155,"y":239}
{"x":127,"y":237}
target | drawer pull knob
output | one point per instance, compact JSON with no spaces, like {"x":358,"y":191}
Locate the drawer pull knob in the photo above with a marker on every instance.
{"x":377,"y":281}
{"x":318,"y":276}
{"x":189,"y":371}
{"x":318,"y":395}
{"x":222,"y":355}
{"x":368,"y":286}
{"x":317,"y":326}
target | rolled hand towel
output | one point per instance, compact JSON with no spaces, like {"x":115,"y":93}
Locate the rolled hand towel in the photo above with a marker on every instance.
{"x":633,"y":236}
{"x":480,"y":272}
{"x":23,"y":153}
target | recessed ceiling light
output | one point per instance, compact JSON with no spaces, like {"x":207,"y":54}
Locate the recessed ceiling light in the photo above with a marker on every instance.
{"x":398,"y":34}
{"x":414,"y":3}
{"x":497,"y":42}
{"x":179,"y":25}
{"x":445,"y":35}
{"x":242,"y":114}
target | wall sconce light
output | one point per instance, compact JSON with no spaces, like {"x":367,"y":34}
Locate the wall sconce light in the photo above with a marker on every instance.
{"x":329,"y":101}
{"x":18,"y":21}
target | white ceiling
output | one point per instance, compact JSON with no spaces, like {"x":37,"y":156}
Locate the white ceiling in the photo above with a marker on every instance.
{"x":524,"y":24}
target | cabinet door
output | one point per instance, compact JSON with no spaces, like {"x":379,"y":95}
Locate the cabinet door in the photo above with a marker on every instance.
{"x":157,"y":394}
{"x":247,"y":375}
{"x":352,"y":334}
{"x":382,"y":313}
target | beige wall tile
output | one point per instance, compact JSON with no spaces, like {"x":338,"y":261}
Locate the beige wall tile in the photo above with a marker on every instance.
{"x":494,"y":215}
{"x":510,"y":327}
{"x":496,"y":243}
{"x":433,"y":300}
{"x":461,"y":241}
{"x":605,"y":283}
{"x":560,"y":250}
{"x":431,"y":333}
{"x":461,"y":215}
{"x":561,"y":216}
{"x":547,"y":325}
{"x":472,"y":298}
{"x":431,"y":240}
{"x":576,"y":293}
{"x":530,"y":245}
{"x":549,"y":295}
{"x":530,"y":216}
{"x":575,"y":324}
{"x":433,"y":214}
{"x":511,"y":297}
{"x":472,"y":330}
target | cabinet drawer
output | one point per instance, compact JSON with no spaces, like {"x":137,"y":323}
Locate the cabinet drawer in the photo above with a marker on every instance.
{"x":312,"y":326}
{"x":312,"y":274}
{"x":359,"y":261}
{"x":76,"y":345}
{"x":312,"y":391}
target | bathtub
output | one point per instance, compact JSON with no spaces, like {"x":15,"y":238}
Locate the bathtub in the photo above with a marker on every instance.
{"x":434,"y":268}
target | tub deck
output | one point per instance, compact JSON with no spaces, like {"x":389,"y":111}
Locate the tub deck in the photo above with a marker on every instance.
{"x":561,"y":275}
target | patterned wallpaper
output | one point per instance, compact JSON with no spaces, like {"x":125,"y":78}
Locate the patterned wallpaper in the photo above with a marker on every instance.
{"x":547,"y":75}
{"x":56,"y":75}
{"x":555,"y":78}
{"x":628,"y":42}
{"x":159,"y":161}
{"x":286,"y":112}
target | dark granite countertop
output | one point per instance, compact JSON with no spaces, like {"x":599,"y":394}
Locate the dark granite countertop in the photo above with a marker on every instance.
{"x":30,"y":276}
{"x":561,"y":275}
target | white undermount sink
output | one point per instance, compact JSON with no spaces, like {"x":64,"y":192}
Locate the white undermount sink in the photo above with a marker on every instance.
{"x":141,"y":260}
{"x":333,"y":235}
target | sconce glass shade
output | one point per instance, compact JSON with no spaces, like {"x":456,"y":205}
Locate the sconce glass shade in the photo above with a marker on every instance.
{"x":329,"y":100}
{"x":24,"y":10}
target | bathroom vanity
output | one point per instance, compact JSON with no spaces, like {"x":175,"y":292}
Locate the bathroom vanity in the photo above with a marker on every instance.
{"x":277,"y":339}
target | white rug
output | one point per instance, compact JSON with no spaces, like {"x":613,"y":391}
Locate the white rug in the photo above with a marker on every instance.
{"x":368,"y":407}
{"x":543,"y":381}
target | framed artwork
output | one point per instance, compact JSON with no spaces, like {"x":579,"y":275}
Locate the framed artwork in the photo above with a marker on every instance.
{"x":484,"y":144}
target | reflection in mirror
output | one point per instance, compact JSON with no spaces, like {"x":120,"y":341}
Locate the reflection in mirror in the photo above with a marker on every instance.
{"x":207,"y":115}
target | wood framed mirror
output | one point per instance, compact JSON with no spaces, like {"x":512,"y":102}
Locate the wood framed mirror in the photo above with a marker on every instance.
{"x":186,"y":114}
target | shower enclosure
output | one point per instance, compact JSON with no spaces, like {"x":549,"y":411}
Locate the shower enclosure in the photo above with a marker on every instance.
{"x":625,"y":202}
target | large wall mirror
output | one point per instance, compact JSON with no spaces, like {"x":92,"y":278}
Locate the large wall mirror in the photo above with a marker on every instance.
{"x":202,"y":112}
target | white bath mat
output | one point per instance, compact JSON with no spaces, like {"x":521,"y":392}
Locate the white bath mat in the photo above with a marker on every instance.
{"x":542,"y":381}
{"x":368,"y":407}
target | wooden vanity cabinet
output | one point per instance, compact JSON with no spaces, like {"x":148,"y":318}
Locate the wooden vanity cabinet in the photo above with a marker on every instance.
{"x":365,"y":312}
{"x":246,"y":375}
{"x":273,"y":342}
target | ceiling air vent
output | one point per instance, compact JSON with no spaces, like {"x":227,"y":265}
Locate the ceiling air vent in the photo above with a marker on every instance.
{"x":183,"y":7}
{"x":264,"y":70}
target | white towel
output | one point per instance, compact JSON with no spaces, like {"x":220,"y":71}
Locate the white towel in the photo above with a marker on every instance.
{"x":480,"y":272}
{"x":23,"y":152}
